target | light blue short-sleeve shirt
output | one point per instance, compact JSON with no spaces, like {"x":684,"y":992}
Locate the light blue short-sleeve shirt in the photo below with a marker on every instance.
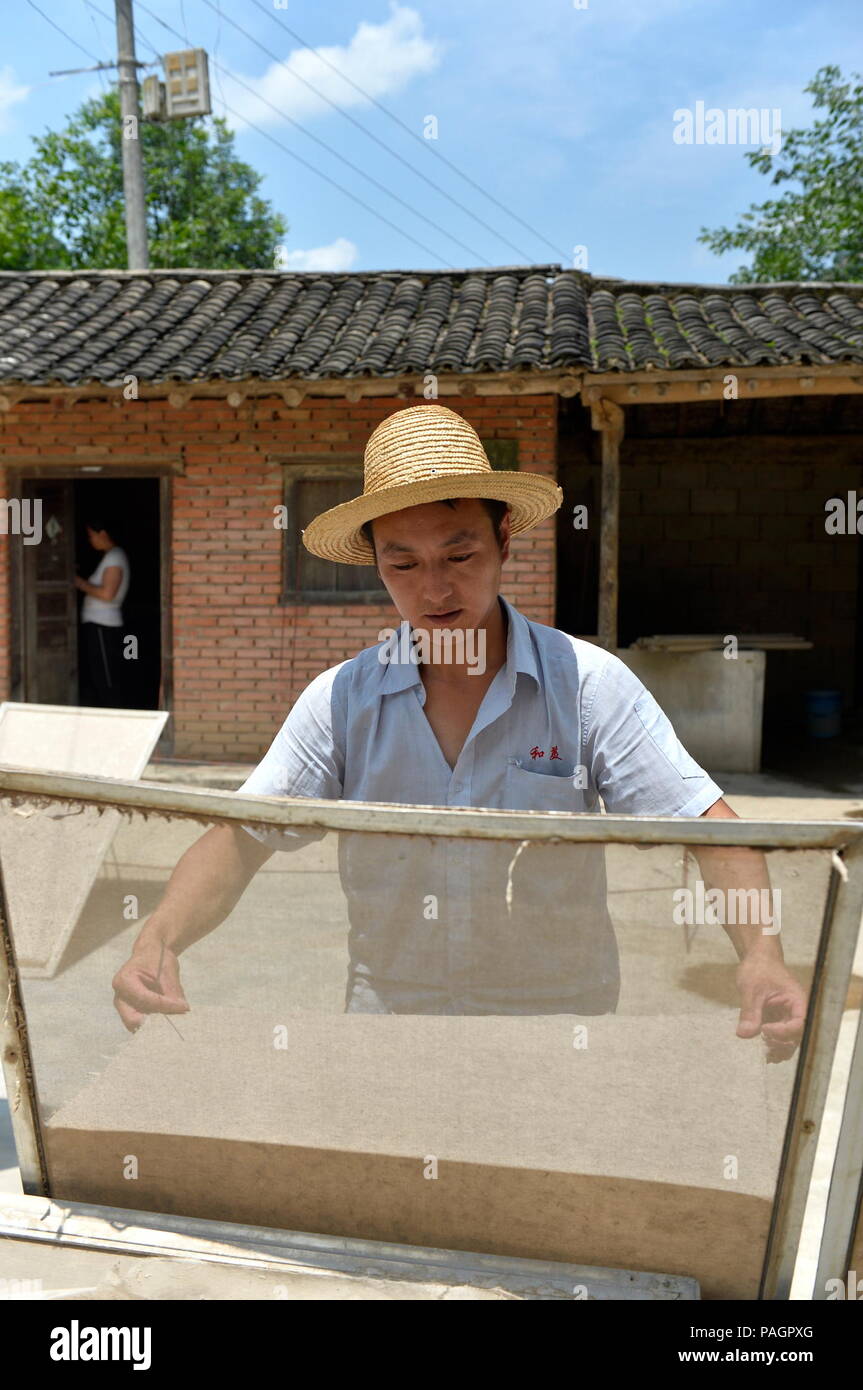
{"x":563,"y":723}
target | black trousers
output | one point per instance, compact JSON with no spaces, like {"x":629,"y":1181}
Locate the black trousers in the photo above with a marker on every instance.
{"x":102,"y":680}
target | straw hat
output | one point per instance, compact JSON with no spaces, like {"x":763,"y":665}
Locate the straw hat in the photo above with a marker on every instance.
{"x":424,"y":454}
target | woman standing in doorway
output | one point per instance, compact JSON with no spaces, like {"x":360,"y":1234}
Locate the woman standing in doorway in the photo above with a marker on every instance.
{"x":102,"y":664}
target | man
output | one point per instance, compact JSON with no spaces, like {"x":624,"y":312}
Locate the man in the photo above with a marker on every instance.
{"x":541,"y":721}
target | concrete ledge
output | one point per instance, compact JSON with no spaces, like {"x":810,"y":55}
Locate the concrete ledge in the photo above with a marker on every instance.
{"x":716,"y":705}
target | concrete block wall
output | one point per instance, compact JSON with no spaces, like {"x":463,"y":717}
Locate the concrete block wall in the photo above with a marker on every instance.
{"x":727,"y":535}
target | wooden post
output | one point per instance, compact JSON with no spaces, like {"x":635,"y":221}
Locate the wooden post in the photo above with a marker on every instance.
{"x":607,"y":417}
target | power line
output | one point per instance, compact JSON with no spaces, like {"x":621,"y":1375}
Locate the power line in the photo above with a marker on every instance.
{"x":340,"y":187}
{"x":382,"y":143}
{"x":333,"y":183}
{"x":185,"y":30}
{"x":305,"y":163}
{"x":216,"y":42}
{"x":98,"y":34}
{"x":66,"y":36}
{"x":331,"y":150}
{"x":426,"y":145}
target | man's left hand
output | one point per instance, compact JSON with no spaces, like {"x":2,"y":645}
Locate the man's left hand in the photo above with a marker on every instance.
{"x":772,"y":1003}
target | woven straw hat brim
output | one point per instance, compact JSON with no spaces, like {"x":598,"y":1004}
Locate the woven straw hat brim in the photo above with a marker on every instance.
{"x":336,"y":534}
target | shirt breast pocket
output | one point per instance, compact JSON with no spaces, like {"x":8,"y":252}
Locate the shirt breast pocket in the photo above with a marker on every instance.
{"x":530,"y":790}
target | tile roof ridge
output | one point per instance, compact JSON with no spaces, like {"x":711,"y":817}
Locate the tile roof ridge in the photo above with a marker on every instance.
{"x":612,"y":283}
{"x":615,"y":284}
{"x":275,"y":274}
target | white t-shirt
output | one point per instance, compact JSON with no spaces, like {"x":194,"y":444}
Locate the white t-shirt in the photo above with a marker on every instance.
{"x":108,"y":612}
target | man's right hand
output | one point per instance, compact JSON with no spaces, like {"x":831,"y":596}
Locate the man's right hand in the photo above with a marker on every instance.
{"x":141,"y":987}
{"x":206,"y":885}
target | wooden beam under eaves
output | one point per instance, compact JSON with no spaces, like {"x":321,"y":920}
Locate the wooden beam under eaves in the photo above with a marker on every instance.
{"x":294,"y":391}
{"x":607,"y":417}
{"x":721,"y":384}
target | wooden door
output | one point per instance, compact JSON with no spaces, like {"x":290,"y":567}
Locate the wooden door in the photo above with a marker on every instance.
{"x":49,"y":598}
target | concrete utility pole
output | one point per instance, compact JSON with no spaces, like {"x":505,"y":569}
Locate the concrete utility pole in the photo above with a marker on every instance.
{"x":138,"y":256}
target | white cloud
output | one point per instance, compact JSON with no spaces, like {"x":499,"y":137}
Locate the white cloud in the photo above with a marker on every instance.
{"x":11,"y":93}
{"x":380,"y":58}
{"x":341,"y":254}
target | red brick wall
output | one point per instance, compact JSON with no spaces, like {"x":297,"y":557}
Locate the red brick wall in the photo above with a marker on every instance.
{"x":241,"y":658}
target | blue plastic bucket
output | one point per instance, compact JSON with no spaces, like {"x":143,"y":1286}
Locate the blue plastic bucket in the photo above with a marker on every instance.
{"x":823,"y":713}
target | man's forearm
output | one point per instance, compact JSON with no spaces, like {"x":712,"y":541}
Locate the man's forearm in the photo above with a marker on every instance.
{"x":743,"y":871}
{"x":204,"y":888}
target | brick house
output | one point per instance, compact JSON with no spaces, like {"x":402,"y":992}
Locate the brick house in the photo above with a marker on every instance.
{"x":704,"y":428}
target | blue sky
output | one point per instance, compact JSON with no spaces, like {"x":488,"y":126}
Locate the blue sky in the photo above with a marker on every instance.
{"x":563,"y":115}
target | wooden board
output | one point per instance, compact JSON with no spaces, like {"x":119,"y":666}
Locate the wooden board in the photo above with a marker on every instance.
{"x":50,"y":856}
{"x":700,"y":642}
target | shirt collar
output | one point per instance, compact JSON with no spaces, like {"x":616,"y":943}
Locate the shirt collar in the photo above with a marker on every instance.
{"x":520,"y":655}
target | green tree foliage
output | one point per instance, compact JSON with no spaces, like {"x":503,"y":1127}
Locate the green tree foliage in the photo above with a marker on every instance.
{"x":63,"y":210}
{"x":816,"y":232}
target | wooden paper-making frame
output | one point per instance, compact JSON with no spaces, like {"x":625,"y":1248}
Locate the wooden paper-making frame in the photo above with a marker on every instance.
{"x":830,"y":982}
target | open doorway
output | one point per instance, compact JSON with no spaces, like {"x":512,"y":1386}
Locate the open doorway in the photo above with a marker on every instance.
{"x":130,"y":507}
{"x":47,"y":647}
